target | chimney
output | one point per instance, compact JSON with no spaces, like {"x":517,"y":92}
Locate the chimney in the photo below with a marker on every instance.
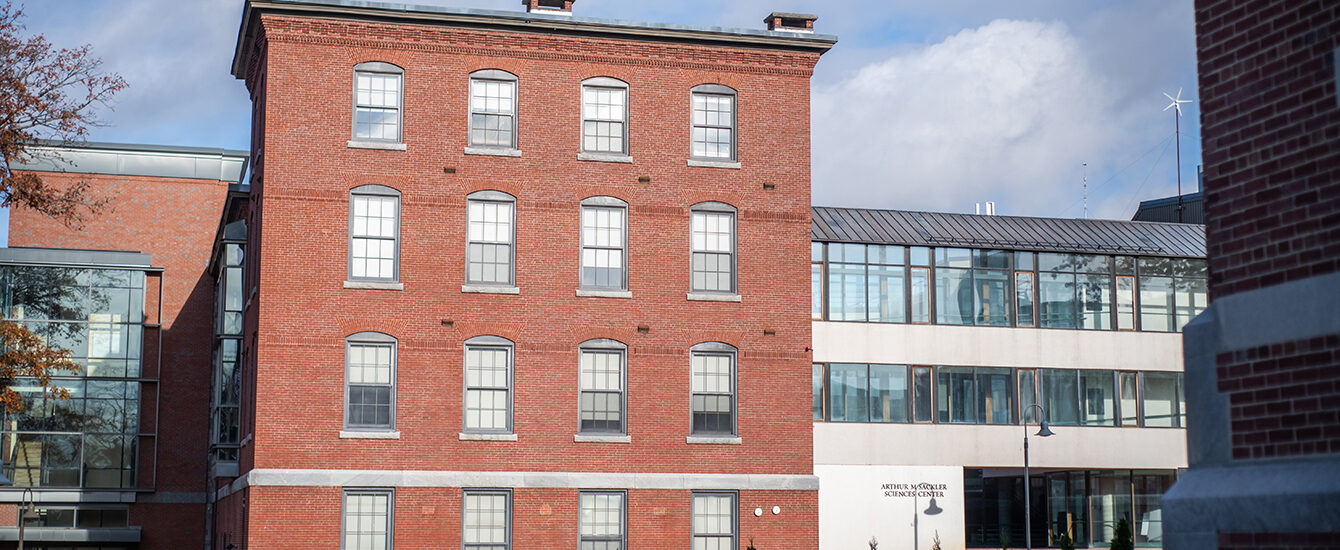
{"x":790,"y":22}
{"x":551,"y":7}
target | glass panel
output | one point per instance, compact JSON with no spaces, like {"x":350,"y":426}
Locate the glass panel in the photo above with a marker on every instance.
{"x":919,"y":255}
{"x":956,"y":394}
{"x":1023,"y":292}
{"x":846,"y":292}
{"x":1162,"y":404}
{"x":1110,"y":501}
{"x":1149,"y":489}
{"x":1050,"y":261}
{"x":1156,"y":303}
{"x":848,"y":393}
{"x":1097,"y":388}
{"x":1095,"y":295}
{"x":886,"y":294}
{"x":817,"y":291}
{"x":885,"y":254}
{"x":921,"y":297}
{"x":1130,"y":404}
{"x":1060,"y":393}
{"x":888,"y":393}
{"x":1056,"y":300}
{"x":953,"y":257}
{"x":990,"y":299}
{"x":1125,"y":303}
{"x":846,"y":253}
{"x":953,"y":295}
{"x":922,"y":398}
{"x":1155,"y":267}
{"x":1125,"y":265}
{"x":816,"y":252}
{"x":995,"y":400}
{"x":1192,"y":298}
{"x":1028,"y":393}
{"x":817,"y":375}
{"x":991,"y":259}
{"x":1023,"y":261}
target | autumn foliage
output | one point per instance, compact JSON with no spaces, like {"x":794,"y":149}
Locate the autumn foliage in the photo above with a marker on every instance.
{"x":46,"y":93}
{"x":24,"y":355}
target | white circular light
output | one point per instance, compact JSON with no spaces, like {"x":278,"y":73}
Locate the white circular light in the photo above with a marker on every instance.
{"x":758,"y":512}
{"x":776,"y":510}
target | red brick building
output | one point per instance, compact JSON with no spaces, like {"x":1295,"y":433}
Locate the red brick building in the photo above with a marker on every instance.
{"x":1263,"y":363}
{"x":521,"y":279}
{"x":120,"y":464}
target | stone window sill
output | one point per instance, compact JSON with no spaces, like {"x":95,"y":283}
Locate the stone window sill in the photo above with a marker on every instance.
{"x":714,"y":164}
{"x":713,"y":440}
{"x":710,"y":297}
{"x":605,"y":157}
{"x":487,"y":437}
{"x":384,"y":145}
{"x":587,"y":293}
{"x":372,"y":285}
{"x":492,"y":152}
{"x":580,"y":438}
{"x":344,"y":434}
{"x":482,"y":289}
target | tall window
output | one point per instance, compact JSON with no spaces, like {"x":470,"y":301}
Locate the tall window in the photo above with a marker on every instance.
{"x":488,"y":385}
{"x":491,"y":235}
{"x":604,"y":243}
{"x":368,"y":519}
{"x":713,"y":387}
{"x":493,"y":108}
{"x":374,"y":233}
{"x":714,"y":521}
{"x":486,"y":520}
{"x":713,"y":122}
{"x":602,"y":520}
{"x":817,"y":281}
{"x":713,"y":228}
{"x":377,"y":100}
{"x":605,"y":116}
{"x":369,"y":359}
{"x":602,"y":386}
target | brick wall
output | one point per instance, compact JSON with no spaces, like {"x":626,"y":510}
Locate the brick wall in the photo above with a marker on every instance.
{"x":174,"y":220}
{"x":1278,"y":541}
{"x":1269,"y":127}
{"x":1284,"y":398}
{"x":301,"y":78}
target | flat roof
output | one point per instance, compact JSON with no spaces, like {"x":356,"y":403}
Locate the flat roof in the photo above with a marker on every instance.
{"x":129,"y":159}
{"x":1083,"y":236}
{"x":523,"y":22}
{"x":67,"y":257}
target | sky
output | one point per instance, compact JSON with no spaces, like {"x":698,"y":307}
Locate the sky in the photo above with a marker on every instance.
{"x":922,"y":105}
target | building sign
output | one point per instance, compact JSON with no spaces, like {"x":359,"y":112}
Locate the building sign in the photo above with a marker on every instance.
{"x":914,"y":490}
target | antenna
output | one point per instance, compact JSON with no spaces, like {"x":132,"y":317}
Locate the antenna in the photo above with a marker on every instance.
{"x":1176,"y":105}
{"x":1084,"y":171}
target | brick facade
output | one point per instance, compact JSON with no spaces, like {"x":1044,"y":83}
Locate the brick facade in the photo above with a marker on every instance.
{"x":299,"y":73}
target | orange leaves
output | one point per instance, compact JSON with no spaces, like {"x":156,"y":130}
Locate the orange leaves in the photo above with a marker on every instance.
{"x":24,"y":355}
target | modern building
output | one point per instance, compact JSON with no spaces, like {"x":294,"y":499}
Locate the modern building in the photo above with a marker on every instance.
{"x":936,"y":334}
{"x":120,"y":464}
{"x":1188,"y":208}
{"x":517,"y":279}
{"x":1263,"y":363}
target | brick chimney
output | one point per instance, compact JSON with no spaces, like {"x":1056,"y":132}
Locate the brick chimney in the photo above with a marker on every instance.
{"x":791,"y":22}
{"x":552,"y":7}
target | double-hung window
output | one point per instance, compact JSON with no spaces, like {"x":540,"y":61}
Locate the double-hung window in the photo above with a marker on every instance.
{"x":602,"y":520}
{"x":712,"y":383}
{"x":602,"y":376}
{"x":378,"y":94}
{"x":714,"y":521}
{"x":374,"y":234}
{"x":493,"y":109}
{"x":604,"y":244}
{"x":488,"y":385}
{"x":491,"y":235}
{"x":486,"y":519}
{"x":367,"y":519}
{"x":605,"y":116}
{"x":369,"y":359}
{"x":713,"y":122}
{"x":713,"y":248}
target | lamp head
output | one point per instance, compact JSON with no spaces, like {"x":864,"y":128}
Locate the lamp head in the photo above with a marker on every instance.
{"x":933,"y":509}
{"x":1044,"y":430}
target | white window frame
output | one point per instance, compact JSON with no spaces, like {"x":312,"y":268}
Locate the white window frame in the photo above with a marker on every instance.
{"x":734,"y":514}
{"x":717,"y":349}
{"x":375,"y":191}
{"x":710,"y":208}
{"x":610,"y":84}
{"x":604,"y":345}
{"x":622,"y":538}
{"x":389,"y":493}
{"x":490,"y":343}
{"x":378,"y":68}
{"x":376,"y":339}
{"x":493,"y":76}
{"x":596,"y":204}
{"x":491,"y":197}
{"x":716,"y":90}
{"x":465,"y":497}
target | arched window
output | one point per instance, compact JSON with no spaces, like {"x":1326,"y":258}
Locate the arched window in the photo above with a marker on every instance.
{"x":712,"y":230}
{"x":491,"y":239}
{"x":488,"y":385}
{"x":493,"y":109}
{"x":378,"y":102}
{"x":374,"y":234}
{"x":712,"y":383}
{"x":604,"y":261}
{"x":714,"y":120}
{"x":605,"y":116}
{"x":603,"y":379}
{"x":369,"y":381}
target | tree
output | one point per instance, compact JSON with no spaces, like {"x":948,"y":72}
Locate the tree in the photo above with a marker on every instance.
{"x":1121,"y":537}
{"x":24,"y":355}
{"x":46,"y":93}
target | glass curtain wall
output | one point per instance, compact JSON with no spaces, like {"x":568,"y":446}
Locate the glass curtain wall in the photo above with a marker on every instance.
{"x":227,"y":382}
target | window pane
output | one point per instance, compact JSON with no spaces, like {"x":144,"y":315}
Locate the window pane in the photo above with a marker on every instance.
{"x":1060,"y":392}
{"x":1023,"y":292}
{"x":1162,"y":403}
{"x":601,"y":516}
{"x":921,"y":295}
{"x":953,"y":294}
{"x":1028,"y":391}
{"x":1056,"y":300}
{"x":1130,"y":404}
{"x":1192,"y":298}
{"x":1156,"y":304}
{"x":922,"y":399}
{"x":888,"y":393}
{"x":817,"y":376}
{"x":713,"y":125}
{"x":485,"y":523}
{"x":366,"y":521}
{"x":995,"y":401}
{"x":848,"y":393}
{"x":713,"y":246}
{"x":1125,"y":303}
{"x":487,"y":383}
{"x":886,"y":294}
{"x":956,"y":394}
{"x":817,"y":291}
{"x":990,"y":300}
{"x":1099,"y":393}
{"x":846,"y":292}
{"x":1095,"y":295}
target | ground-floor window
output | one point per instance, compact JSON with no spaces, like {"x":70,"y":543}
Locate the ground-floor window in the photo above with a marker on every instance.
{"x":1082,"y":504}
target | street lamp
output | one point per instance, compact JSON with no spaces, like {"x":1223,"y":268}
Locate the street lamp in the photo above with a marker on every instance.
{"x":26,"y":507}
{"x":1043,"y":431}
{"x":916,"y":515}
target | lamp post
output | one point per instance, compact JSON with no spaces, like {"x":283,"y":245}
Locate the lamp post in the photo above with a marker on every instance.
{"x":1043,"y":431}
{"x":26,"y":512}
{"x":916,"y":515}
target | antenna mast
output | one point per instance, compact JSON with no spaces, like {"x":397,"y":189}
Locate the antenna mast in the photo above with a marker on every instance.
{"x":1084,"y":170}
{"x":1176,"y":105}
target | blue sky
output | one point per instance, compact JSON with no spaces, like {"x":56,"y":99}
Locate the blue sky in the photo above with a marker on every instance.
{"x":927,"y":105}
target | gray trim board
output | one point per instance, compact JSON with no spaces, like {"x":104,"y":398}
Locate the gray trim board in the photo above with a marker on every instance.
{"x":567,"y":480}
{"x":58,"y":257}
{"x":137,"y":160}
{"x":63,"y":534}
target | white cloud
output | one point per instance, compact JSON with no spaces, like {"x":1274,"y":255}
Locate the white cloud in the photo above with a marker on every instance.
{"x":1005,"y":112}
